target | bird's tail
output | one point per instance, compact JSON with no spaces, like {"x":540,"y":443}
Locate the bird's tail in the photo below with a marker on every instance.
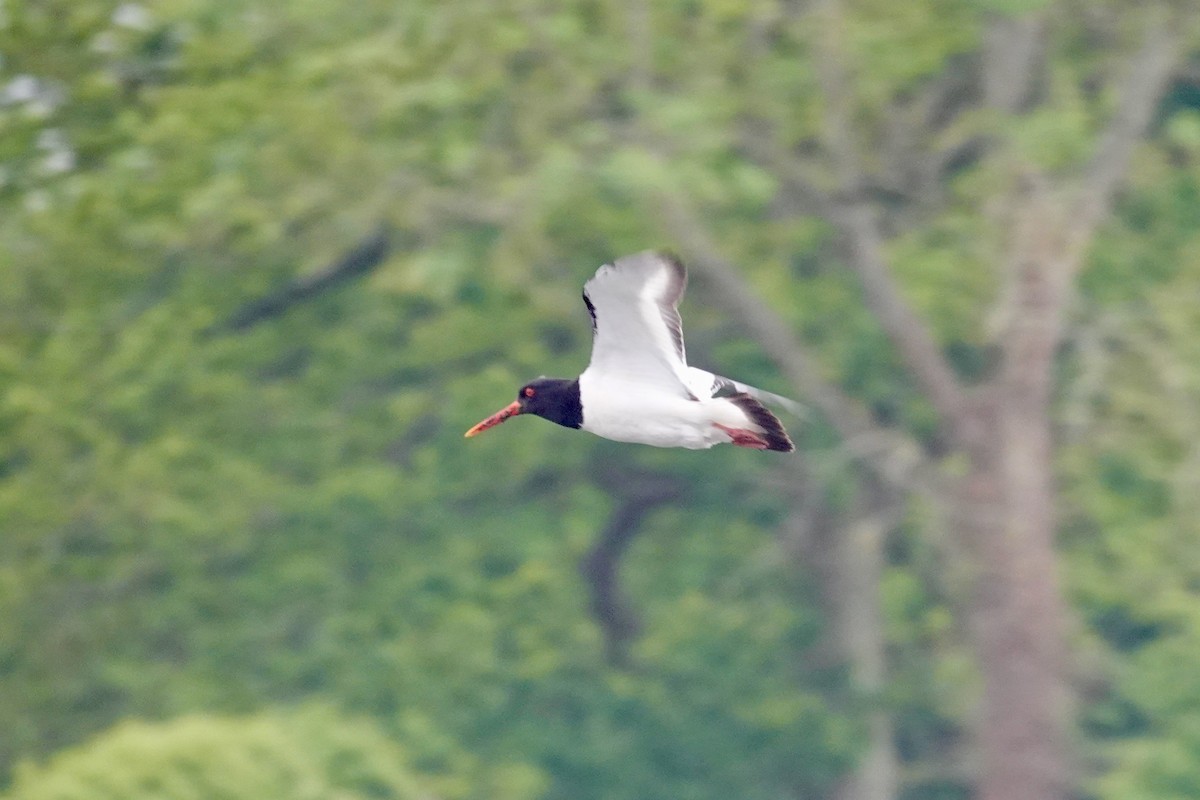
{"x":706,"y":383}
{"x":772,"y":431}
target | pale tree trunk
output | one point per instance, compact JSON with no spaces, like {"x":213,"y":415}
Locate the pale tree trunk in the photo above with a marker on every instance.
{"x":1007,"y":502}
{"x":1003,"y":508}
{"x":1017,"y":611}
{"x":858,"y":562}
{"x":1004,"y":515}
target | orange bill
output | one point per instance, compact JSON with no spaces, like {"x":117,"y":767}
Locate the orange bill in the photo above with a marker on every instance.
{"x":511,"y":410}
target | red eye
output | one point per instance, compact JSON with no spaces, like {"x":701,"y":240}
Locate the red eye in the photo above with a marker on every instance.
{"x":529,"y":392}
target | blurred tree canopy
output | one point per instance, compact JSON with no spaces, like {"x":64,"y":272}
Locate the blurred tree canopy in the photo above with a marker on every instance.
{"x":261,"y":264}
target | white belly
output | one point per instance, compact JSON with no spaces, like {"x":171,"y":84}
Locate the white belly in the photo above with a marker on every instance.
{"x":635,"y":412}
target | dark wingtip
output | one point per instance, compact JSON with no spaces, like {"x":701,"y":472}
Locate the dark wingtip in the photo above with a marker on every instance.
{"x":777,"y":438}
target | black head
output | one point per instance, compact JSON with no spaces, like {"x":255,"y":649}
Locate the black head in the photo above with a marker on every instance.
{"x":555,"y":399}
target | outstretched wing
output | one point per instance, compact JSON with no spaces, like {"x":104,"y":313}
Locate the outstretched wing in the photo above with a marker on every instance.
{"x":637,"y":334}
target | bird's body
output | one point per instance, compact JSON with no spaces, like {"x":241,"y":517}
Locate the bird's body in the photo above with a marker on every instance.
{"x":630,"y":411}
{"x":638,"y":386}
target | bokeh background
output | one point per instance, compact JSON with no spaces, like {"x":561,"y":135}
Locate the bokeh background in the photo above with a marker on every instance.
{"x":261,"y":264}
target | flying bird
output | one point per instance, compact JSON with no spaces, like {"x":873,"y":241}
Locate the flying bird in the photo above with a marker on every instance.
{"x":638,"y":386}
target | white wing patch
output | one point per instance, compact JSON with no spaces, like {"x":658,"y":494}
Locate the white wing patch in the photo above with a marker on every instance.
{"x":637,"y":331}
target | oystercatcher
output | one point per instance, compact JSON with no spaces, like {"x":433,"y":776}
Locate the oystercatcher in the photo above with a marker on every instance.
{"x":638,"y":386}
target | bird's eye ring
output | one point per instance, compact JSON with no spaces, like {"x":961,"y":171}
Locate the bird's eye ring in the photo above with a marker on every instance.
{"x":529,"y":392}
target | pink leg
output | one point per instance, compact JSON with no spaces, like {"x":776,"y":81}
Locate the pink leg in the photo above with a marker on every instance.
{"x":743,"y":438}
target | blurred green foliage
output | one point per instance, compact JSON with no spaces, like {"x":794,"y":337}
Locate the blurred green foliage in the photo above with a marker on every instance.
{"x":205,"y":528}
{"x":309,"y":754}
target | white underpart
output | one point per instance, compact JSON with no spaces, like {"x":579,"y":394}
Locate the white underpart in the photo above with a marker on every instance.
{"x":634,"y":411}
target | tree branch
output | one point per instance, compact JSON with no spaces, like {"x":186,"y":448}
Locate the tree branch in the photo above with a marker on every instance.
{"x":859,"y":227}
{"x":1145,"y":83}
{"x":890,"y":453}
{"x":366,"y":256}
{"x":1013,"y":48}
{"x":768,"y":329}
{"x":638,"y":493}
{"x":1051,"y":234}
{"x":806,"y":196}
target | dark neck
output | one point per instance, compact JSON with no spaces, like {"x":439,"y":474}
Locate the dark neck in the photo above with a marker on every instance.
{"x":558,"y":401}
